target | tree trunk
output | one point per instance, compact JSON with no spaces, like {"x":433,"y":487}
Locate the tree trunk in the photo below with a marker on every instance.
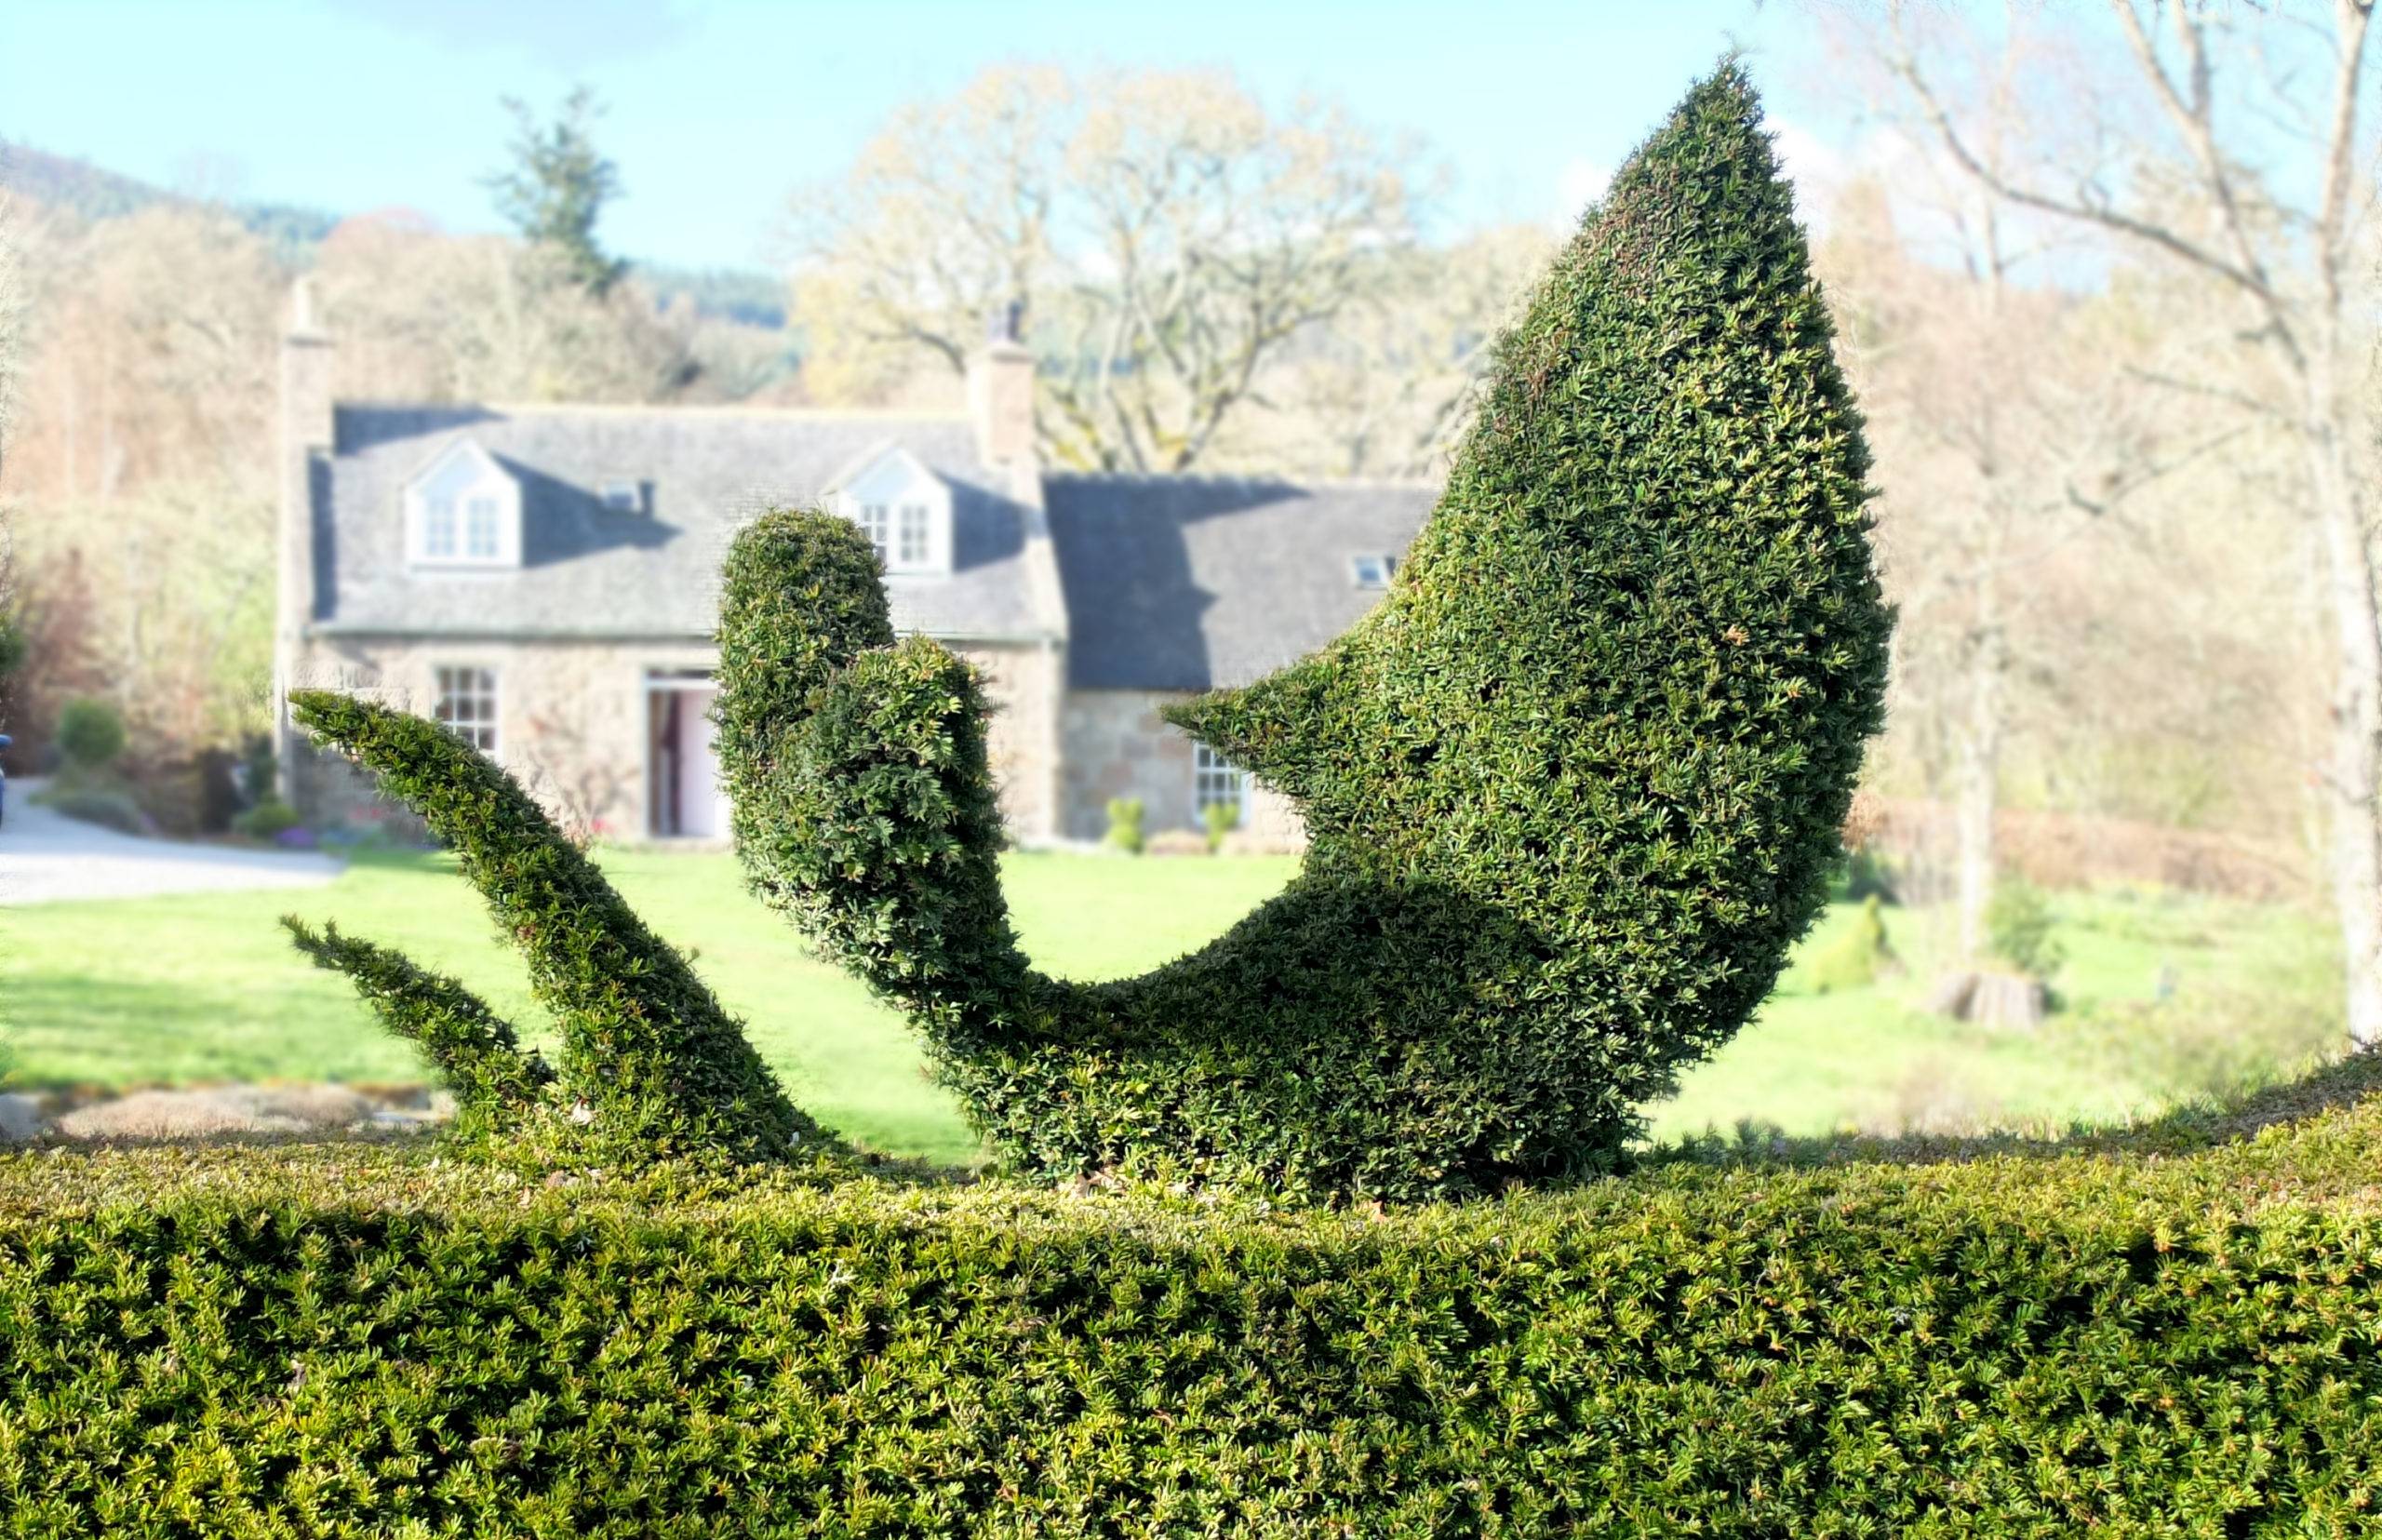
{"x":2355,"y":833}
{"x":1979,"y":777}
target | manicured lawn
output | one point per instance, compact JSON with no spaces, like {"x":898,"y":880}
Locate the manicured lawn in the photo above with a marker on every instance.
{"x":204,"y":988}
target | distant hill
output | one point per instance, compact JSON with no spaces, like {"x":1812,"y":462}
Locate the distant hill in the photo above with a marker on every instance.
{"x":745,"y":296}
{"x":96,"y":193}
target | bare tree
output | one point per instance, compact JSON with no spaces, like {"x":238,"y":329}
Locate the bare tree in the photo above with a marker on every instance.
{"x":2240,"y":158}
{"x":1165,"y":237}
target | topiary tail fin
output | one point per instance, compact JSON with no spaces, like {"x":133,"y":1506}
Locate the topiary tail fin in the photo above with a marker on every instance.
{"x":477,"y":1052}
{"x":662,"y":1067}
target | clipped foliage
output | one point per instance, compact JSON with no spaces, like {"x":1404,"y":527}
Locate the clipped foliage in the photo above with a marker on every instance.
{"x":1571,"y":790}
{"x":477,"y":1054}
{"x":650,"y":1063}
{"x":90,"y":734}
{"x":1125,"y":824}
{"x":342,"y":1341}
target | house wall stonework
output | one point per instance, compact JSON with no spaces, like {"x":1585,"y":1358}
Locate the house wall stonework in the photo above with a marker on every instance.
{"x":1115,"y":743}
{"x":572,"y":726}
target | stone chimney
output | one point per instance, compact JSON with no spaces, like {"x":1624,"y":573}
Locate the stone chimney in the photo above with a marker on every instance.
{"x":1000,"y":395}
{"x":305,"y":434}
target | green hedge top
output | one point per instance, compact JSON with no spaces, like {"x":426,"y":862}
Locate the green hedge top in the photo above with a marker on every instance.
{"x":333,"y":1340}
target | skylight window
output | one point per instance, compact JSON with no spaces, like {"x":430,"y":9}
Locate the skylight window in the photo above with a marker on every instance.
{"x":1372,"y":570}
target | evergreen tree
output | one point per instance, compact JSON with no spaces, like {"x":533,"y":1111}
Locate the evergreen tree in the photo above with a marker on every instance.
{"x":557,"y":187}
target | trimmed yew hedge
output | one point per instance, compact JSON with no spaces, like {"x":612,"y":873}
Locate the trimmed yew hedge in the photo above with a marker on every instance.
{"x":319,"y":1341}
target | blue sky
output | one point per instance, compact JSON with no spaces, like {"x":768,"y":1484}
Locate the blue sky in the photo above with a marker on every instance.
{"x":717,"y":110}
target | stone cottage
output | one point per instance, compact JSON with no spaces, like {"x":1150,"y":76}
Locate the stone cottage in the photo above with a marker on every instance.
{"x":544,"y":579}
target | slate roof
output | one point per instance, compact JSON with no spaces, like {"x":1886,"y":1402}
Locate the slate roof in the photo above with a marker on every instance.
{"x":1170,"y":583}
{"x":1184,"y":583}
{"x":588,"y":571}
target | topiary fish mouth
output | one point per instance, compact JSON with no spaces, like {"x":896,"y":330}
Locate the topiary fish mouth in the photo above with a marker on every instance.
{"x":1571,"y":790}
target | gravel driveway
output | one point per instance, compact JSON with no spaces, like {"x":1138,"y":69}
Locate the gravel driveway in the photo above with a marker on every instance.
{"x":46,"y":859}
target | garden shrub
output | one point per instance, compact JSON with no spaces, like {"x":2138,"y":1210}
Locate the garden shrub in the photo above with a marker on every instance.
{"x":652,"y":1066}
{"x":1125,"y":824}
{"x":110,"y":806}
{"x":90,"y":735}
{"x":337,"y":1341}
{"x":1571,"y":791}
{"x":1220,"y":819}
{"x":267,"y":820}
{"x":1854,"y":959}
{"x":2018,"y":929}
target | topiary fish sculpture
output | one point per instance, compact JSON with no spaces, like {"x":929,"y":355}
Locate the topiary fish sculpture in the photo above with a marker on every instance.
{"x":1571,"y":790}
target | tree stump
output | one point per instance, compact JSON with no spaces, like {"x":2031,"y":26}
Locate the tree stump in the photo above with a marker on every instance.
{"x":1991,"y":1000}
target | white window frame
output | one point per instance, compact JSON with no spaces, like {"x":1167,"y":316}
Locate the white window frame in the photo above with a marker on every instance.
{"x":905,"y":510}
{"x":441,"y":533}
{"x":463,"y":512}
{"x":1216,"y":780}
{"x":483,"y":526}
{"x":468,"y":701}
{"x":875,"y":521}
{"x":913,"y":538}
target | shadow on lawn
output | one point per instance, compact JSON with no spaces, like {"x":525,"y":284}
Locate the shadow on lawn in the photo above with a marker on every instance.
{"x":2198,"y":1125}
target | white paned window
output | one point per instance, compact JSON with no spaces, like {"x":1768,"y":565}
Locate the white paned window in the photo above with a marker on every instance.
{"x":479,"y":529}
{"x":438,"y":529}
{"x":911,"y":550}
{"x":1216,"y":780}
{"x":875,"y":521}
{"x":467,"y":706}
{"x":462,"y":511}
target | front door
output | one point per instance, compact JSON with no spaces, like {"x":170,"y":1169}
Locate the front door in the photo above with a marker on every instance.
{"x":685,"y":796}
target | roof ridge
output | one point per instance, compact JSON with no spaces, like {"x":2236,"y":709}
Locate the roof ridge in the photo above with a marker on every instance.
{"x":658,"y":408}
{"x":1251,"y":479}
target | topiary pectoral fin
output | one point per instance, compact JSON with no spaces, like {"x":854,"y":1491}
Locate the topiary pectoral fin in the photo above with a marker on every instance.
{"x":662,"y":1068}
{"x":477,"y":1052}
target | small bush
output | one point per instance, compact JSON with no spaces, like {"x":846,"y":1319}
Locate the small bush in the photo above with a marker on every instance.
{"x":267,"y":820}
{"x":1856,"y":959}
{"x":106,"y":806}
{"x":90,"y":735}
{"x":339,"y":1341}
{"x":2018,"y":929}
{"x":1125,"y":824}
{"x":1220,"y":819}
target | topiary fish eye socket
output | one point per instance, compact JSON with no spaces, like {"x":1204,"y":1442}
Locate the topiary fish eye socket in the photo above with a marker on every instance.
{"x":1571,"y":789}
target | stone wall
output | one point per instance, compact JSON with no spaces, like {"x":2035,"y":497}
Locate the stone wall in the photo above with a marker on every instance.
{"x":572,"y":723}
{"x":1114,"y":743}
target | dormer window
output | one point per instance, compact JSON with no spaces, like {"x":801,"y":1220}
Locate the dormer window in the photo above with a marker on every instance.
{"x":463,"y":510}
{"x":1371,"y":570}
{"x":905,"y":510}
{"x":624,"y":497}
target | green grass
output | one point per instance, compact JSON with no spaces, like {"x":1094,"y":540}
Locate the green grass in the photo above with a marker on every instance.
{"x":202,"y":988}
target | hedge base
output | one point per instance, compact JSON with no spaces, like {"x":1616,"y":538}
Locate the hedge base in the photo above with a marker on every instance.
{"x":321,"y":1340}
